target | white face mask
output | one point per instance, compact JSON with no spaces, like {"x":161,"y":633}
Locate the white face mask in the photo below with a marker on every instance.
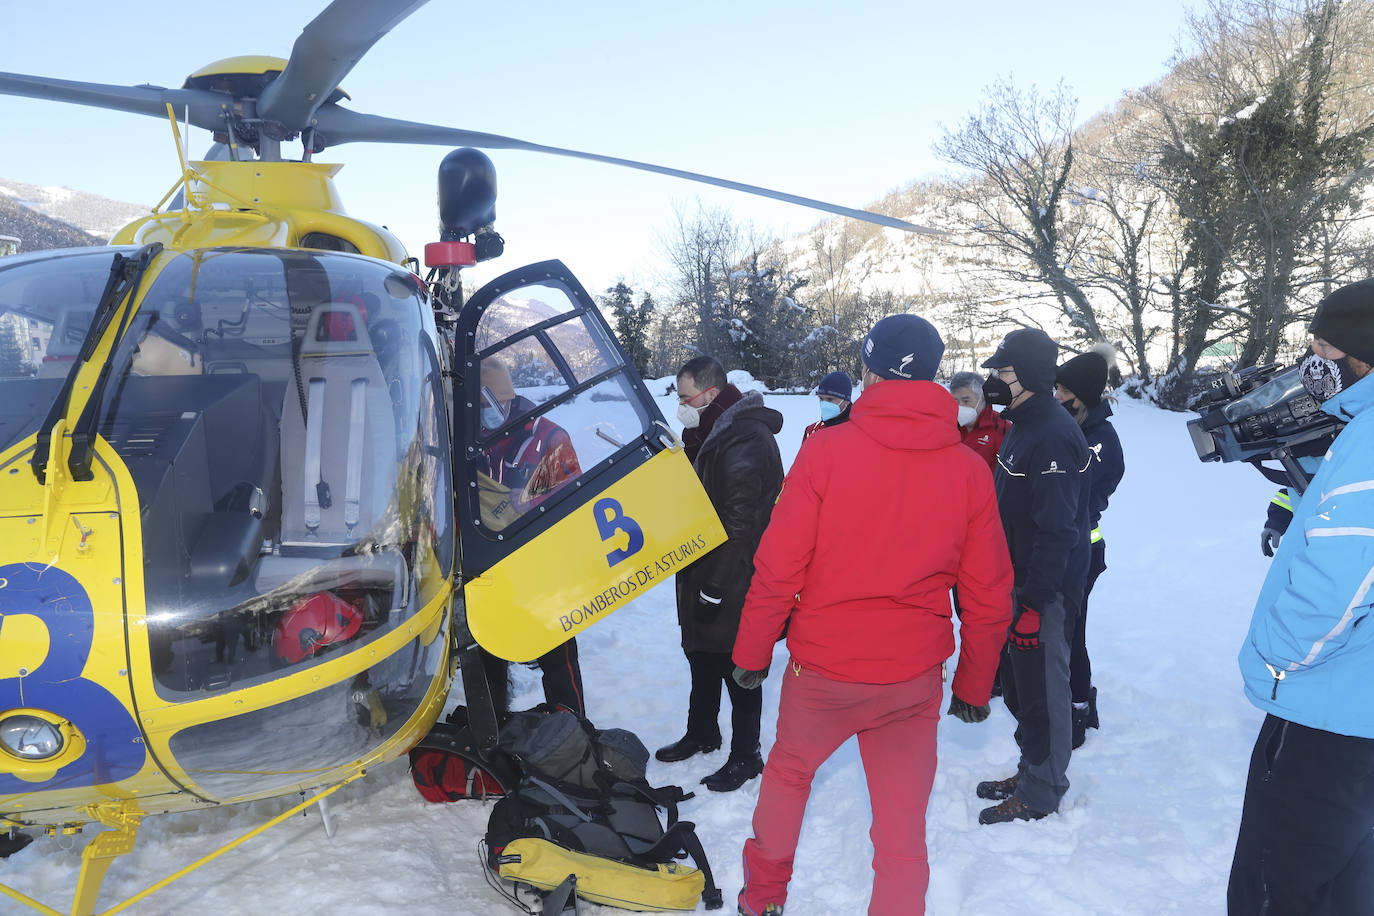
{"x":967,"y":415}
{"x":688,"y":416}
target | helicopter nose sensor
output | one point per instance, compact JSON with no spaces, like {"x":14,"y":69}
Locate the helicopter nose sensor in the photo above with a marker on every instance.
{"x":467,"y":209}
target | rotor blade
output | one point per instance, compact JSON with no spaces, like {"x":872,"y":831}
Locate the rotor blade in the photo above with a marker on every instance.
{"x":327,"y":49}
{"x":340,"y":125}
{"x":206,"y":108}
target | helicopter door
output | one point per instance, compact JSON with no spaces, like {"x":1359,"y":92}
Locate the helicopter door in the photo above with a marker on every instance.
{"x":575,"y":497}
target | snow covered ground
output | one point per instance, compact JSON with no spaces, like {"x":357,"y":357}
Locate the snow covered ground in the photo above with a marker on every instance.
{"x":1146,"y":828}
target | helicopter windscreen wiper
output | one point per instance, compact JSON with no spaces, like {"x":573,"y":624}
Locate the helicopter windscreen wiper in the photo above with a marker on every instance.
{"x":125,"y":274}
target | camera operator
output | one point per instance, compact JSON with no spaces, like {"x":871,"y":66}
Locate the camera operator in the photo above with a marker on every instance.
{"x":1306,"y":840}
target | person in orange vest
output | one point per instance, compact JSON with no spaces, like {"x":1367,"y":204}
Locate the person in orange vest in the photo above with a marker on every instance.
{"x":982,"y":427}
{"x":836,"y":395}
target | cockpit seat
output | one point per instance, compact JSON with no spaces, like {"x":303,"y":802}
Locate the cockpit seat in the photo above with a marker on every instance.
{"x":68,"y":332}
{"x":338,"y":468}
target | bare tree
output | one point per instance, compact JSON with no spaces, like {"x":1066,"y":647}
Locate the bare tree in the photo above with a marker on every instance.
{"x":703,"y":249}
{"x":1020,"y":147}
{"x":1262,"y":141}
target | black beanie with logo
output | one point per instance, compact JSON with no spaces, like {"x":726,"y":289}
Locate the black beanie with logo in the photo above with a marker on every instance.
{"x":1345,"y":319}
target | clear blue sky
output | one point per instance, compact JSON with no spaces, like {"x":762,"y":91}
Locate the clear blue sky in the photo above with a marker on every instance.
{"x":835,"y":101}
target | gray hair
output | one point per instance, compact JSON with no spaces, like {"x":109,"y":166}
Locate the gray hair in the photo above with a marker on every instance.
{"x":970,"y":380}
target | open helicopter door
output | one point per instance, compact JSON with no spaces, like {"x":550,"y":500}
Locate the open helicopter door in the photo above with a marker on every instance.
{"x":574,"y":496}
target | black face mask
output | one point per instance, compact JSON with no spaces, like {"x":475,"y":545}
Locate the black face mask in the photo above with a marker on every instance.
{"x":1325,"y":378}
{"x":996,"y":391}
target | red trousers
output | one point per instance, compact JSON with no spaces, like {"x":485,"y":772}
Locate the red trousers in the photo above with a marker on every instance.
{"x":896,"y":728}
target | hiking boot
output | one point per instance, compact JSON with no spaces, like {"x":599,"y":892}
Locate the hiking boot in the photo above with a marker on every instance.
{"x":773,"y":909}
{"x":685,"y":747}
{"x":1013,"y":809}
{"x":997,"y":789}
{"x":736,"y":772}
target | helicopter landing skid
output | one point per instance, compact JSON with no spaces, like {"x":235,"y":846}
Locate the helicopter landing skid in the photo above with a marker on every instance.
{"x":123,"y":820}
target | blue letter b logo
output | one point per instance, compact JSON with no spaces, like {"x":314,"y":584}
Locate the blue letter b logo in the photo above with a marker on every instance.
{"x":610,"y":518}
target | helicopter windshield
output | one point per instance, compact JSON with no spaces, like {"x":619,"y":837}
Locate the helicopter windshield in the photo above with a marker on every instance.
{"x":47,"y":301}
{"x":281,"y":414}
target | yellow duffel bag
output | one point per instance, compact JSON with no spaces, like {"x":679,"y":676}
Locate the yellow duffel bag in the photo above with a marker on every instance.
{"x":545,"y":865}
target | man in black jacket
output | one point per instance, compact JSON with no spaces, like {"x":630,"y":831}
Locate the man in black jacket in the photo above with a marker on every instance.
{"x":1078,"y":386}
{"x":729,"y":437}
{"x":1043,"y":477}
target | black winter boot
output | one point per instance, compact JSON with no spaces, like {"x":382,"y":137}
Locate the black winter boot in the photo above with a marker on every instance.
{"x":1013,"y":809}
{"x":997,"y":789}
{"x":685,"y":747}
{"x":737,"y":771}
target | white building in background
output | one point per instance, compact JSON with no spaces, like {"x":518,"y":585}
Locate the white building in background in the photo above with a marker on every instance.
{"x":8,"y":245}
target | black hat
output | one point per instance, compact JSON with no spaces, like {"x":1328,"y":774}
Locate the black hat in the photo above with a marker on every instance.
{"x":1032,"y":354}
{"x":1085,"y":376}
{"x":836,"y":385}
{"x":1345,"y":319}
{"x":903,"y":347}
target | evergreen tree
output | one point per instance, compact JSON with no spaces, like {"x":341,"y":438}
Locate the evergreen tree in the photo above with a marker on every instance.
{"x":12,"y":362}
{"x":631,"y":322}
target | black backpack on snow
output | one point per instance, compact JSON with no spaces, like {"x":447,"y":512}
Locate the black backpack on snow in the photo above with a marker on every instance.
{"x":584,"y":814}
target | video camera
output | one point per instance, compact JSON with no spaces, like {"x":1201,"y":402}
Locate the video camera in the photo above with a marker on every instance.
{"x":1261,"y":413}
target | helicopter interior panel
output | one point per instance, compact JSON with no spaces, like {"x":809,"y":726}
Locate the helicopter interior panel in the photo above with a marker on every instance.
{"x":201,"y":481}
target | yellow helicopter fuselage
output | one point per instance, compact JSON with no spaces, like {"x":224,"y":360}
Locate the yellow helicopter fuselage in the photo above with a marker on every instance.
{"x":76,"y":648}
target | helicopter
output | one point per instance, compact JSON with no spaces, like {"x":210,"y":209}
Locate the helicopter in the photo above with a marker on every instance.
{"x":257,"y":488}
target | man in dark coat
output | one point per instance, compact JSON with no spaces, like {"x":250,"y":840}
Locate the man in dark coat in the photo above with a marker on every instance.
{"x":1043,"y":477}
{"x":1078,"y":386}
{"x":729,"y":436}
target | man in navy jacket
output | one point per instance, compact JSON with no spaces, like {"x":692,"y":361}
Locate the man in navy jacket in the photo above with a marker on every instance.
{"x":1042,"y":478}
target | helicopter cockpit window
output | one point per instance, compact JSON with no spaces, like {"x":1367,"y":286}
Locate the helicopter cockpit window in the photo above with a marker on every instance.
{"x":47,"y":301}
{"x":552,"y":402}
{"x":281,"y":414}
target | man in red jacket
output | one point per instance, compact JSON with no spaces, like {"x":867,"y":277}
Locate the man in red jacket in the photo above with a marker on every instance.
{"x":982,"y":427}
{"x":873,"y":556}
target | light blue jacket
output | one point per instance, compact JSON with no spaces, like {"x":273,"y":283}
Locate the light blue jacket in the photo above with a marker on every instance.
{"x":1309,"y":656}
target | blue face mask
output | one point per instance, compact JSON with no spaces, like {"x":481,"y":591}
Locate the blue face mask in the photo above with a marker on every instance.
{"x":829,"y":410}
{"x":492,"y":417}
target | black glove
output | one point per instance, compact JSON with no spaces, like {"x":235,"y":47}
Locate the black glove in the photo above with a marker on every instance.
{"x":708,"y":596}
{"x":749,"y":680}
{"x":966,"y":713}
{"x":1269,"y":541}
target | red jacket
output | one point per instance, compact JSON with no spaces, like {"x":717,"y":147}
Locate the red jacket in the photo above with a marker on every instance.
{"x":986,"y":434}
{"x":877,"y":520}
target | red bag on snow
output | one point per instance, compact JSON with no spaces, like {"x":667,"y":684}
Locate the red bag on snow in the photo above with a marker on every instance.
{"x":448,"y":766}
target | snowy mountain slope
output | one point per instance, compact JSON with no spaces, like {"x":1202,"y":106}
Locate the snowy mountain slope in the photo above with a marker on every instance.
{"x":1147,"y":826}
{"x":96,"y":215}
